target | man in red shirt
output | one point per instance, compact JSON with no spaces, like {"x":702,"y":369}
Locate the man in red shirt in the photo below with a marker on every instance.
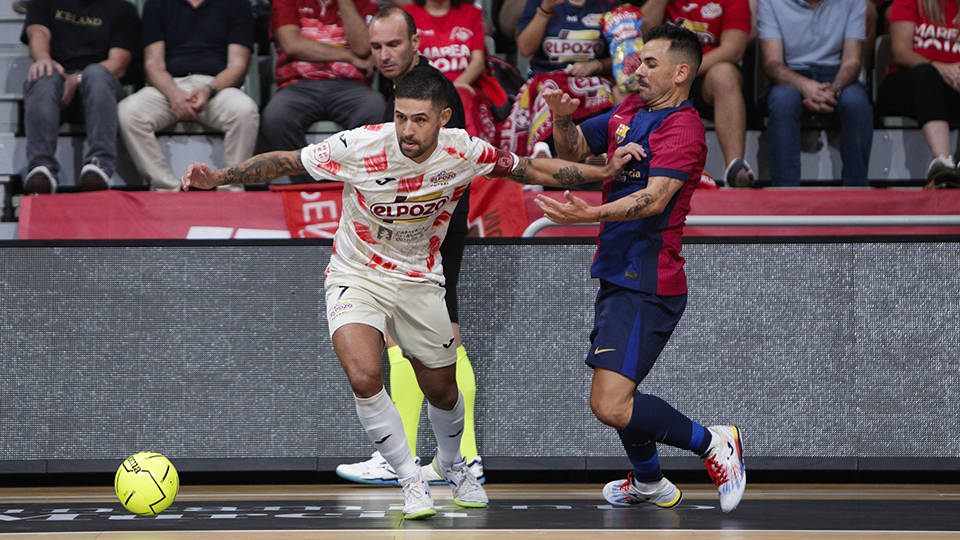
{"x":323,"y":70}
{"x":723,"y":27}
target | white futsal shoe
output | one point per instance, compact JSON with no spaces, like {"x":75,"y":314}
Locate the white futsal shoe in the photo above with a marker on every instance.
{"x":628,"y":493}
{"x":435,"y":479}
{"x":467,"y":491}
{"x":375,"y":470}
{"x":724,"y":463}
{"x":417,"y":502}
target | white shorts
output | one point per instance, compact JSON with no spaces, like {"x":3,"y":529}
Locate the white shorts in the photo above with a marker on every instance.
{"x":414,"y":313}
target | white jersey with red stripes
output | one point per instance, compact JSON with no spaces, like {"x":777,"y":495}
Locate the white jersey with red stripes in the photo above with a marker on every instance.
{"x":396,"y":211}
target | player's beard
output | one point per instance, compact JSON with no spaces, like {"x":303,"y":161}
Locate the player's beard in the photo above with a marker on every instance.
{"x":419,"y":150}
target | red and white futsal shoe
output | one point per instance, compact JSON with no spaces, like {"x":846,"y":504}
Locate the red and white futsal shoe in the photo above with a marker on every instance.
{"x":628,"y":493}
{"x":724,"y":463}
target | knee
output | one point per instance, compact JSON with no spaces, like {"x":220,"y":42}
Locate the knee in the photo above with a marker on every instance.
{"x":276,"y":119}
{"x":97,"y":76}
{"x":724,"y":78}
{"x":129,"y":113}
{"x":784,"y":101}
{"x":609,"y":412}
{"x":855,"y":103}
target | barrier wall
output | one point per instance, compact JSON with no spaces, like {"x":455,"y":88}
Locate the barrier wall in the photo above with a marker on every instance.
{"x":828,"y":355}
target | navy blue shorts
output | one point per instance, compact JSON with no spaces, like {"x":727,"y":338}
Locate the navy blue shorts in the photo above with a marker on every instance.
{"x":631,"y":328}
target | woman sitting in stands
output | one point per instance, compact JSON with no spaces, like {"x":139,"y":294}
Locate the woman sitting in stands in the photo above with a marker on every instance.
{"x":570,"y":52}
{"x":453,"y":40}
{"x":924,"y":78}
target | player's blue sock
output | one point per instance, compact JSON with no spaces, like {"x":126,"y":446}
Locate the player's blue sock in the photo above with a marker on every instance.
{"x":660,"y":422}
{"x":643,"y":455}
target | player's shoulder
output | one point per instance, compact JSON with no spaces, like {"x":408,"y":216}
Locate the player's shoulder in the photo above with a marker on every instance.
{"x":685,"y":117}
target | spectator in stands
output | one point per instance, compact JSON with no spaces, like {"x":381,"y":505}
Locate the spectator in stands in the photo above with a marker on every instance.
{"x":452,"y":38}
{"x":723,"y":27}
{"x":811,"y":52}
{"x":924,"y":78}
{"x":80,"y":51}
{"x":324,"y":70}
{"x":196,"y":53}
{"x":566,"y":40}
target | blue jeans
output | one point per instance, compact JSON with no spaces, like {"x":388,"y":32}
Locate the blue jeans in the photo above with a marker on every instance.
{"x":785,"y":108}
{"x":96,"y":99}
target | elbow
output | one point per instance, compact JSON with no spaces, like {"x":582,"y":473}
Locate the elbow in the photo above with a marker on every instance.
{"x":526,"y":49}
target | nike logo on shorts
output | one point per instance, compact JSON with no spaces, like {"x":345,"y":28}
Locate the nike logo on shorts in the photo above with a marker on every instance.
{"x":599,"y":350}
{"x":383,"y":439}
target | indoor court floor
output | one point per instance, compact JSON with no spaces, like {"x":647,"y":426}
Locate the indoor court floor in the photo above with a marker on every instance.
{"x":548,"y":511}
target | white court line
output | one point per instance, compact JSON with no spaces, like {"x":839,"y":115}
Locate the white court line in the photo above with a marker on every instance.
{"x":461,"y":531}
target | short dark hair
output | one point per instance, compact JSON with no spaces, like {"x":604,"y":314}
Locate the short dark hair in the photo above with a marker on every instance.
{"x":682,"y":42}
{"x":424,"y":83}
{"x":453,"y":3}
{"x":386,"y":12}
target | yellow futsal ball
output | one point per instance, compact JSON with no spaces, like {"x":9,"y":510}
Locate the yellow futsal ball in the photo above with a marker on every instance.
{"x":146,"y":483}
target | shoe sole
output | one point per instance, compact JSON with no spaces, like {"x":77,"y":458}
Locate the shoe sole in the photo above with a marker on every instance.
{"x":469,"y":504}
{"x":672,"y":503}
{"x":369,"y":481}
{"x":423,"y":514}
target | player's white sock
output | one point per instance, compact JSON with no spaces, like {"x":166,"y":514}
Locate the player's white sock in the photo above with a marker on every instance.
{"x":447,"y":428}
{"x":380,"y":419}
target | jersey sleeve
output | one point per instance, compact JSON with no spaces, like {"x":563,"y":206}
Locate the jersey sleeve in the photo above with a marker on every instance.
{"x":479,"y":40}
{"x":282,"y":13}
{"x":736,"y":16}
{"x":490,"y":161}
{"x":595,"y":132}
{"x":904,"y":10}
{"x":332,"y":159}
{"x":678,"y":145}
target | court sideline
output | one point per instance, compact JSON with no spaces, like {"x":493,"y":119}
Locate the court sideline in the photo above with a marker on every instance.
{"x":556,"y":511}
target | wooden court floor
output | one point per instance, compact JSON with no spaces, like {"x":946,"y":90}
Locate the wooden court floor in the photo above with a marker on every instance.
{"x":538,"y":511}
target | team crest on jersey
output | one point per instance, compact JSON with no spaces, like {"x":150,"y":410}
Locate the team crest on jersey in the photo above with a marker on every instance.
{"x":621,"y":133}
{"x":460,"y":33}
{"x":592,"y":20}
{"x":321,"y":153}
{"x":711,"y":11}
{"x":410,"y":209}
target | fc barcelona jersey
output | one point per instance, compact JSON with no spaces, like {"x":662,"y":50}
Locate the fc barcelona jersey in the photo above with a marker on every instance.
{"x":644,"y":254}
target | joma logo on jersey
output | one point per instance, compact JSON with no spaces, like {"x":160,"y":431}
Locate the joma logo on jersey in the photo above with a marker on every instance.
{"x":622,"y":133}
{"x":410,"y":209}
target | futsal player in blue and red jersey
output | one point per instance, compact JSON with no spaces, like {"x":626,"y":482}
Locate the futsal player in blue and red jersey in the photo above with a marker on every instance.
{"x":643,"y":288}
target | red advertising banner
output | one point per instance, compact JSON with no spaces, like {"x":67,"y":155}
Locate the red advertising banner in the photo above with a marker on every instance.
{"x":117,"y":215}
{"x":312,"y":210}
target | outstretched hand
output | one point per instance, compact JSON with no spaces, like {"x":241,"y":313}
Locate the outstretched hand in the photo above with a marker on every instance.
{"x":199,"y":175}
{"x":560,"y":102}
{"x":576,"y":210}
{"x":623,"y":155}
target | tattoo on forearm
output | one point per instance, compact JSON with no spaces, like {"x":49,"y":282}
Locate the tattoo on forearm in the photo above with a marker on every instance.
{"x":264,"y":168}
{"x":519,"y":173}
{"x":569,"y":134}
{"x":569,"y":176}
{"x":628,"y":211}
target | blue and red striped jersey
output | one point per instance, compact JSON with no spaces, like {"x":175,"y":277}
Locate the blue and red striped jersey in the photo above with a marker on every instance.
{"x":644,"y":254}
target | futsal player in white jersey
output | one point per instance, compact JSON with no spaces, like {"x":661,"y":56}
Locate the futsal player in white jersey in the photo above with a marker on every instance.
{"x":402,"y":182}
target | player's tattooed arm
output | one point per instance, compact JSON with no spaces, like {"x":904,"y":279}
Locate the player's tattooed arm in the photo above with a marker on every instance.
{"x":649,"y":201}
{"x":569,"y":140}
{"x":560,"y":173}
{"x":258,"y":169}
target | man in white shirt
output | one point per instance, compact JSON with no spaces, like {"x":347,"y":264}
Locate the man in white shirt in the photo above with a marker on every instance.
{"x":402,"y":182}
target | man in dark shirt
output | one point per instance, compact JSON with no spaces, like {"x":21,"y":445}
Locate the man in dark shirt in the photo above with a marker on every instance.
{"x":80,"y":50}
{"x":394,"y":43}
{"x":196,"y":54}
